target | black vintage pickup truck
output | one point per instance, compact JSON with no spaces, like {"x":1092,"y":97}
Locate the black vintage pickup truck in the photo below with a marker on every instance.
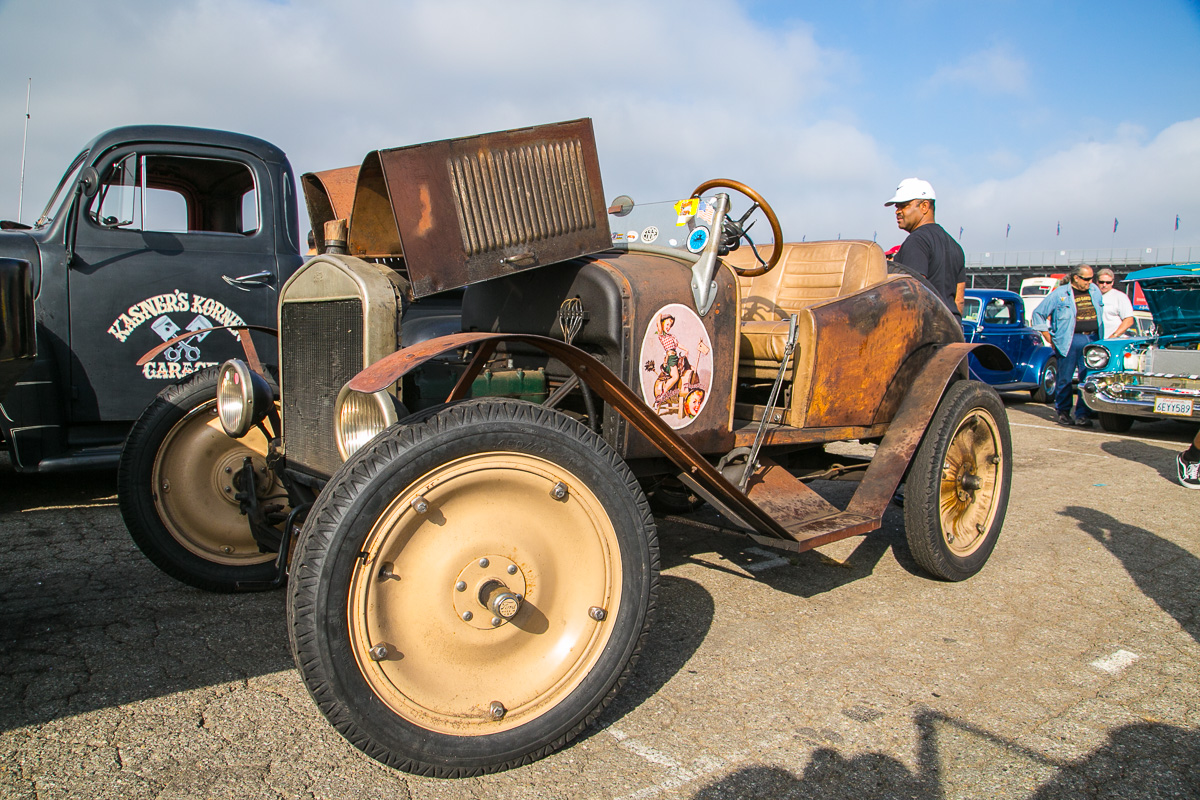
{"x":153,"y":231}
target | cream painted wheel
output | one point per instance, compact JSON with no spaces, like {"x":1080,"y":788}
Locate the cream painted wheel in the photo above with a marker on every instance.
{"x":451,"y":663}
{"x":473,"y":587}
{"x":958,"y":484}
{"x":177,"y":480}
{"x":194,"y":480}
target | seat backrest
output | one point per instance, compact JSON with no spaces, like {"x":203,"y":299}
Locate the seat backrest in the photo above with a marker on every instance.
{"x":807,"y":273}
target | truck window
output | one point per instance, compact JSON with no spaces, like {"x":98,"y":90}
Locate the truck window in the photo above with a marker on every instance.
{"x":177,"y":194}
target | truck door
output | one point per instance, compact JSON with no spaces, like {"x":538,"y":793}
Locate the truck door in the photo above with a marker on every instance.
{"x":169,"y":243}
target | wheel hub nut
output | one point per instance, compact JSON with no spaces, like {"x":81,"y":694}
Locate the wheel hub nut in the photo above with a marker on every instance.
{"x":497,"y":710}
{"x":500,"y":600}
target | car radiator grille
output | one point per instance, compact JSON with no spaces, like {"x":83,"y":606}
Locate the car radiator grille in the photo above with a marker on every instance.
{"x":322,"y":349}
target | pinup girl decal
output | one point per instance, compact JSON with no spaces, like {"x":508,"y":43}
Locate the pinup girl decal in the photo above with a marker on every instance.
{"x":677,"y":365}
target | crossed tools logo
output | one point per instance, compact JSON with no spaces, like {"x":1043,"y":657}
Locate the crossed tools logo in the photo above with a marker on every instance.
{"x":183,"y":357}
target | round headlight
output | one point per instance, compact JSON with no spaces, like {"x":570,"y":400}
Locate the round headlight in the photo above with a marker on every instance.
{"x":360,"y":418}
{"x":243,"y":398}
{"x":1095,"y":356}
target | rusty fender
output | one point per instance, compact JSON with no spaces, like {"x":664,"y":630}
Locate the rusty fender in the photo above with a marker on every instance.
{"x":894,"y":454}
{"x":242,"y":335}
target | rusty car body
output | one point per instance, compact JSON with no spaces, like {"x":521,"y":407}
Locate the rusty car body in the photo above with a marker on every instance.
{"x":474,"y":566}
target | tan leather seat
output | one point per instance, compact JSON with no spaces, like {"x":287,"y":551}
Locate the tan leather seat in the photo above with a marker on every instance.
{"x":808,"y":273}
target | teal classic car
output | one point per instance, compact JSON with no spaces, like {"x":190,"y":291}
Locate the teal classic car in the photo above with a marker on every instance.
{"x":1151,"y":377}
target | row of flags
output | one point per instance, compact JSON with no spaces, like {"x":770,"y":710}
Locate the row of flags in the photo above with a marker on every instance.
{"x":1058,"y":229}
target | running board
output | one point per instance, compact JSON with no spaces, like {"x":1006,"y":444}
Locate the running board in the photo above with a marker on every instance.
{"x":808,"y":518}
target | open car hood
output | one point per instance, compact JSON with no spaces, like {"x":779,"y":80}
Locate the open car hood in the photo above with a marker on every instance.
{"x":1173,"y":294}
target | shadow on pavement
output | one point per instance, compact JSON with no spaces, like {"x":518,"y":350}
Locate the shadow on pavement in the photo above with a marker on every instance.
{"x":1160,"y":457}
{"x":1165,"y":572}
{"x":1138,"y":762}
{"x":685,"y":614}
{"x":87,"y":622}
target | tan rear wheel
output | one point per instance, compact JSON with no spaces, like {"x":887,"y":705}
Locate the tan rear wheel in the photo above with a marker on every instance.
{"x":957,"y":490}
{"x":177,"y":480}
{"x":196,"y":476}
{"x":473,"y":587}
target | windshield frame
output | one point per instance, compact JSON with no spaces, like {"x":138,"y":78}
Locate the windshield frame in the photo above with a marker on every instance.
{"x":69,"y":177}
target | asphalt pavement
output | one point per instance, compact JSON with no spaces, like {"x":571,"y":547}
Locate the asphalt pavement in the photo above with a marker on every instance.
{"x":1069,"y":667}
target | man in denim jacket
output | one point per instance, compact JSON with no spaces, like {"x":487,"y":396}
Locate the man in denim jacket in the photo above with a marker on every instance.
{"x":1070,"y":318}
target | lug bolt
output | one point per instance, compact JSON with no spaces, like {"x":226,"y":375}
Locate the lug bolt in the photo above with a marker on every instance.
{"x":467,"y":616}
{"x":483,"y":562}
{"x":379,"y":652}
{"x":498,"y":710}
{"x":228,"y":470}
{"x":559,"y":491}
{"x":228,"y":489}
{"x":420,"y":504}
{"x":512,"y":569}
{"x":227,"y":550}
{"x":461,"y":586}
{"x":597,"y":613}
{"x":166,"y":486}
{"x":496,"y":621}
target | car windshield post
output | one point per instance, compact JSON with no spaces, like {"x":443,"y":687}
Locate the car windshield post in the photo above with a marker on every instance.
{"x":68,"y":179}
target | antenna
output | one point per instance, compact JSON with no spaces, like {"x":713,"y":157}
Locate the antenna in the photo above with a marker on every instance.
{"x":24,"y":139}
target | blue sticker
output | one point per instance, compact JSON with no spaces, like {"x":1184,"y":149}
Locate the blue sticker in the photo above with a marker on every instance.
{"x":697,"y":239}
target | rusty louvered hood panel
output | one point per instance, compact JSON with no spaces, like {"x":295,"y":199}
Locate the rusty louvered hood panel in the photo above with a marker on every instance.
{"x":466,"y":210}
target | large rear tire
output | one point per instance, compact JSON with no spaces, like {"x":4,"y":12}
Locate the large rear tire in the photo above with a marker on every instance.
{"x":176,"y":483}
{"x":472,"y":588}
{"x":957,"y":490}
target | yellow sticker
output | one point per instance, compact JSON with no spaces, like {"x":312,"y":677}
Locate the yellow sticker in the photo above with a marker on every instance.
{"x":686,"y":209}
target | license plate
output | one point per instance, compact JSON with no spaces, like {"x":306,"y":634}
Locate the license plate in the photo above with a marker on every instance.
{"x":1173,"y":406}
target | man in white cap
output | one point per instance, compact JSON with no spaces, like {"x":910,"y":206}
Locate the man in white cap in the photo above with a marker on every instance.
{"x":929,"y":251}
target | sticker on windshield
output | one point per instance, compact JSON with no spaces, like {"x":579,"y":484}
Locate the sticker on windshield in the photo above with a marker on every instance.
{"x":686,"y":209}
{"x":163,"y":314}
{"x":649,"y":234}
{"x":697,"y":239}
{"x":677,"y":365}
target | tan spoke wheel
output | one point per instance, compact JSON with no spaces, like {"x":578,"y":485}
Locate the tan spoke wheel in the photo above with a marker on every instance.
{"x":971,"y":475}
{"x":480,"y":600}
{"x":195,"y":479}
{"x":956,"y":492}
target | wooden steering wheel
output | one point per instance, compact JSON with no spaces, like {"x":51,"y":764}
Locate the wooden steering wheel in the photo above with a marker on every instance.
{"x":759,"y":202}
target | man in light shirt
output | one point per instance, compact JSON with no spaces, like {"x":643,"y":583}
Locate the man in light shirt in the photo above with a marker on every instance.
{"x":1118,"y":311}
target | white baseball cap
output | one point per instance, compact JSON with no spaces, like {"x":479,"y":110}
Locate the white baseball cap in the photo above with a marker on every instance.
{"x":912,"y":189}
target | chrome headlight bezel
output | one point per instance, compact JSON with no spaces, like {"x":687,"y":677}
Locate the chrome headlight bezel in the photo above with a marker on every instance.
{"x":359,"y":417}
{"x":243,"y":398}
{"x":1096,"y":356}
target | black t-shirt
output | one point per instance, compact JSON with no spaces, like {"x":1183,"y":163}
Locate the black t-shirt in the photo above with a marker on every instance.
{"x":932,"y":252}
{"x":1085,"y":312}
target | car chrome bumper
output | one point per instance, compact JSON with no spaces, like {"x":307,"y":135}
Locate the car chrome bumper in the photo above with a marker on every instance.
{"x":1111,"y":393}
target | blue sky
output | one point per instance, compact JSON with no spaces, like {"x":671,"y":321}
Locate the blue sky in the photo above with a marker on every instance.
{"x":1033,"y":115}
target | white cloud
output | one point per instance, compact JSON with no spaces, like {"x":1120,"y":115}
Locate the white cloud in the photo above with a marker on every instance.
{"x":1143,"y":184}
{"x":677,"y":96}
{"x":996,"y":70}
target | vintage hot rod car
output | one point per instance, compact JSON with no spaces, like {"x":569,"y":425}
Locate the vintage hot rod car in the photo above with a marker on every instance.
{"x":1156,"y":377}
{"x":477,"y":564}
{"x":997,"y":317}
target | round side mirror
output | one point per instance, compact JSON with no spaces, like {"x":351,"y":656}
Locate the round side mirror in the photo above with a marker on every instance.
{"x":89,"y":181}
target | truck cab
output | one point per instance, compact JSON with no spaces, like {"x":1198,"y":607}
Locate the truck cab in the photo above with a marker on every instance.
{"x":153,"y":231}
